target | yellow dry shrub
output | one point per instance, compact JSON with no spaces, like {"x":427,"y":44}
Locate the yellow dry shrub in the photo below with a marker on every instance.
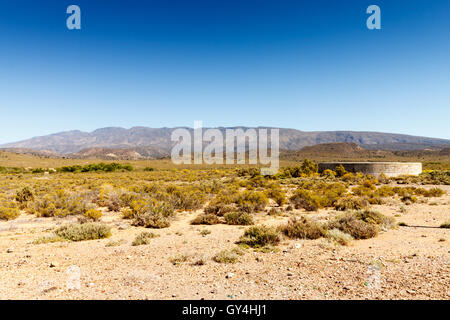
{"x":8,"y":210}
{"x":93,"y":214}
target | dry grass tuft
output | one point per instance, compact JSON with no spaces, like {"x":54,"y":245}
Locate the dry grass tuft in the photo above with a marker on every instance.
{"x":339,"y":237}
{"x":81,"y":232}
{"x":206,"y":219}
{"x":228,"y":256}
{"x":302,"y":228}
{"x":143,"y":238}
{"x":238,"y":218}
{"x":260,"y":236}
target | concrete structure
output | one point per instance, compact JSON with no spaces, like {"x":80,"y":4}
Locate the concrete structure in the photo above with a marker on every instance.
{"x":390,"y":169}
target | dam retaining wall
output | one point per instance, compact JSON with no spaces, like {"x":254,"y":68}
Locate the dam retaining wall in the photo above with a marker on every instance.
{"x":390,"y":169}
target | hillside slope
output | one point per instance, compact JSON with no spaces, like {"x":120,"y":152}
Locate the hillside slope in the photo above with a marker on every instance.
{"x":160,"y":138}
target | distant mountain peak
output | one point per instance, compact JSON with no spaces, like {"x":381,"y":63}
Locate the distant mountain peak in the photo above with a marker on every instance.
{"x":290,"y":139}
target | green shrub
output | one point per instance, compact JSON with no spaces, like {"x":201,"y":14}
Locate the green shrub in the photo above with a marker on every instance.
{"x":205,"y":232}
{"x":9,"y":211}
{"x":338,"y":236}
{"x":385,"y":191}
{"x":309,"y":167}
{"x":277,"y":195}
{"x":81,"y":232}
{"x":218,"y":209}
{"x":104,"y":167}
{"x":143,"y":238}
{"x":348,"y":177}
{"x":228,"y":256}
{"x":329,"y":173}
{"x":274,"y":212}
{"x":207,"y":219}
{"x":340,"y":170}
{"x":306,"y":169}
{"x":409,"y":199}
{"x":434,"y":192}
{"x":93,"y":214}
{"x":60,"y":204}
{"x":252,"y":201}
{"x":24,"y":195}
{"x":248,"y":172}
{"x":435,"y":177}
{"x":238,"y":218}
{"x":302,"y":228}
{"x":351,"y":225}
{"x":260,"y":236}
{"x":154,"y":215}
{"x":49,"y":239}
{"x":374,"y":217}
{"x":350,"y":203}
{"x":365,"y":189}
{"x":181,"y":199}
{"x":179,"y":259}
{"x":306,"y":199}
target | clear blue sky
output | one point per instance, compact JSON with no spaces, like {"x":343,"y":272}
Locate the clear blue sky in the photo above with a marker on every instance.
{"x":309,"y":65}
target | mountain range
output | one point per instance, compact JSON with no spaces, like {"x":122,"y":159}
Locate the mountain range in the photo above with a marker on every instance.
{"x":145,"y":142}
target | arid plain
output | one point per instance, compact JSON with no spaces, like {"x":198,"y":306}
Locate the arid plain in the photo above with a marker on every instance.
{"x":162,"y":232}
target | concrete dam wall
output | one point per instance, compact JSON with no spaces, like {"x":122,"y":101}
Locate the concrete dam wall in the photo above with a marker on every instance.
{"x":390,"y":169}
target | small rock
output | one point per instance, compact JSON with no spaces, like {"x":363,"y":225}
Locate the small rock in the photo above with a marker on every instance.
{"x":290,"y":274}
{"x":229,"y":275}
{"x":10,"y":250}
{"x":54,"y":264}
{"x":297,"y":245}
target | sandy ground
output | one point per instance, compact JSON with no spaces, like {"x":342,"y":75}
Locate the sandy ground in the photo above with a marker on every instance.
{"x":405,"y":263}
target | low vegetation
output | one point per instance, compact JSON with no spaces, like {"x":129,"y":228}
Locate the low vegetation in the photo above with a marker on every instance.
{"x":207,"y":219}
{"x":260,"y":236}
{"x":339,"y":237}
{"x":302,"y":228}
{"x":143,"y":238}
{"x":152,"y":197}
{"x":180,"y":259}
{"x":153,"y":216}
{"x":8,"y":210}
{"x":228,"y":256}
{"x":103,"y":167}
{"x":77,"y":232}
{"x":238,"y":218}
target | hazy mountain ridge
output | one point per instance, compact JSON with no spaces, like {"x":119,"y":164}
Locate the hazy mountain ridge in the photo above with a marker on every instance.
{"x":72,"y":142}
{"x":136,"y":153}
